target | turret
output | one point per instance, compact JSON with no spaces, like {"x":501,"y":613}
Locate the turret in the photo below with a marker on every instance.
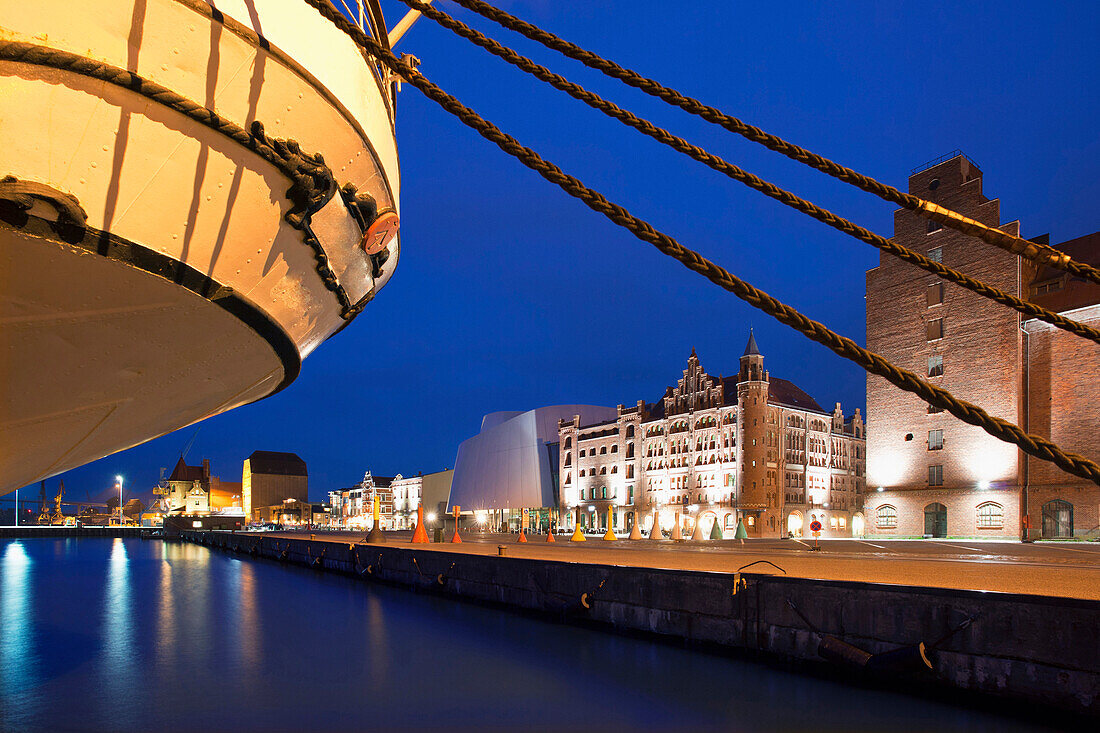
{"x":758,"y":500}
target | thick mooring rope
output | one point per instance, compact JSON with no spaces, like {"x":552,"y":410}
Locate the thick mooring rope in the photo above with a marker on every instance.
{"x":1039,"y":253}
{"x":875,"y":364}
{"x":785,"y":197}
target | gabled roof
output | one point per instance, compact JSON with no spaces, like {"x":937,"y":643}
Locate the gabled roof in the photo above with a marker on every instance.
{"x":183,"y":472}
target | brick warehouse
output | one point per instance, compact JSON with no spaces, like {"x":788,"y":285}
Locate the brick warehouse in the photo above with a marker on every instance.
{"x":929,"y":474}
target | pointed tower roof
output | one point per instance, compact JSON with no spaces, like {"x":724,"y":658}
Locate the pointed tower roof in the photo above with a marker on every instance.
{"x":751,"y":349}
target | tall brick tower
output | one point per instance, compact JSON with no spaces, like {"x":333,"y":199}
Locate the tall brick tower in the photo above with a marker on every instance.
{"x":931,"y":472}
{"x":757,"y":500}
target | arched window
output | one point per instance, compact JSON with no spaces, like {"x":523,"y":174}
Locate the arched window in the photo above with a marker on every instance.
{"x":603,"y":471}
{"x":582,"y":453}
{"x":603,"y":450}
{"x":614,"y":469}
{"x":991,"y":516}
{"x":887,"y":516}
{"x":568,"y":441}
{"x":630,"y":431}
{"x":603,"y":492}
{"x":582,"y":473}
{"x":630,"y":471}
{"x":568,"y":458}
{"x":629,"y":450}
{"x":615,"y":448}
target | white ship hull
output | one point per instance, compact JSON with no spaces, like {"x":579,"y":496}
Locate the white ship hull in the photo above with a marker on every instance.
{"x":157,"y":267}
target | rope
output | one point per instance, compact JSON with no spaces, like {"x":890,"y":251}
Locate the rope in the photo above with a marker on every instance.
{"x":875,"y":364}
{"x":1040,"y":253}
{"x":312,"y":184}
{"x":768,"y":189}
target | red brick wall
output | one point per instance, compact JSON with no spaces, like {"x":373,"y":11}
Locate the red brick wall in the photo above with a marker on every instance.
{"x":1064,"y":406}
{"x":980,"y":348}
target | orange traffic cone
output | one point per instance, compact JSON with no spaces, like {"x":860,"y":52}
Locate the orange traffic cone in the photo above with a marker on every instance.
{"x":550,"y":529}
{"x":420,"y":534}
{"x":522,"y":536}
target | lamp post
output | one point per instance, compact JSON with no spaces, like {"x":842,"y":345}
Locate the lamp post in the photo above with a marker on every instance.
{"x":118,"y":480}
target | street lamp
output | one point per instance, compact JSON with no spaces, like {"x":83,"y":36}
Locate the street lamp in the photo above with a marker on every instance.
{"x":118,"y":480}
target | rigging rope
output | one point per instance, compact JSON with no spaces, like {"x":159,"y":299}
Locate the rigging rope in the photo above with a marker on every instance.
{"x":1036,"y":252}
{"x":908,"y":381}
{"x":768,"y":189}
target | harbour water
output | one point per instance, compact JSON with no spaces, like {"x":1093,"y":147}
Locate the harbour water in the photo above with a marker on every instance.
{"x":131,"y":635}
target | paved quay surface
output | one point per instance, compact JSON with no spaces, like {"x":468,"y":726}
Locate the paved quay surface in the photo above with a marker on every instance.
{"x":1065,"y":569}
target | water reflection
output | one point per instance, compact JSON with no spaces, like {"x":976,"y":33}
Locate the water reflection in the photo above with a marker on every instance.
{"x":119,"y":666}
{"x":166,"y":612}
{"x":248,"y":622}
{"x":17,"y":671}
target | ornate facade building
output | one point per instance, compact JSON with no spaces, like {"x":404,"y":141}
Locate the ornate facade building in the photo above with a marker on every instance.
{"x":931,"y":475}
{"x":718,"y":450}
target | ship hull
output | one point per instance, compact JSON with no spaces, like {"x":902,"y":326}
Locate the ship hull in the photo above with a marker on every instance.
{"x":187,"y":193}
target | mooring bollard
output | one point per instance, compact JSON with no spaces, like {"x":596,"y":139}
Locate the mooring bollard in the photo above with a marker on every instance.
{"x":500,"y":550}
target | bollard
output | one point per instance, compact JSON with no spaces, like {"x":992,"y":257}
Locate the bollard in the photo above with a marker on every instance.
{"x":609,"y":535}
{"x":715,"y":530}
{"x":635,"y":531}
{"x":500,"y":550}
{"x":697,"y":534}
{"x":420,"y":535}
{"x":578,"y":536}
{"x":655,"y":531}
{"x":677,"y":535}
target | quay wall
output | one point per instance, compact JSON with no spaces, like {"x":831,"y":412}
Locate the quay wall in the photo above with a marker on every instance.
{"x":1035,"y":649}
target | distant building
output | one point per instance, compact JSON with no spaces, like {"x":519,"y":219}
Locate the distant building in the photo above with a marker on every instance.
{"x":193,"y":490}
{"x":353,"y":508}
{"x":750,"y":447}
{"x":512,"y":463}
{"x":270,"y":477}
{"x":292,"y":512}
{"x":406,"y":498}
{"x":436,"y":490}
{"x":929,"y":474}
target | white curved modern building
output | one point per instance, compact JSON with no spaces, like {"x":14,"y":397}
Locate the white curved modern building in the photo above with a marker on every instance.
{"x":512,"y":462}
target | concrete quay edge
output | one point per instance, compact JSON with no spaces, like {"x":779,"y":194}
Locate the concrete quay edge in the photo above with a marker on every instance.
{"x":1032,"y":649}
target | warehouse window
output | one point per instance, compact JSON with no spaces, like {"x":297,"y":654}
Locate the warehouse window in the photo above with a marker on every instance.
{"x":935,"y":440}
{"x":935,"y":475}
{"x":887,"y":516}
{"x":934,"y":294}
{"x":935,"y":366}
{"x":936,"y":254}
{"x":991,"y":516}
{"x":933,"y":329}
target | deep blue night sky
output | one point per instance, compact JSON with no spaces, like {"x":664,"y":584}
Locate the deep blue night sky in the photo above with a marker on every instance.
{"x":511,"y":295}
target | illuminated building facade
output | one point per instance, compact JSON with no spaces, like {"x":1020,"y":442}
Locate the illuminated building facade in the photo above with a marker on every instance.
{"x":193,"y":490}
{"x":407,"y":494}
{"x":270,"y":477}
{"x":929,"y":474}
{"x":749,"y":447}
{"x":353,"y":508}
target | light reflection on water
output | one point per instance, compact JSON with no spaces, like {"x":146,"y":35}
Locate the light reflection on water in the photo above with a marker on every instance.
{"x":16,"y":620}
{"x":128,"y":635}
